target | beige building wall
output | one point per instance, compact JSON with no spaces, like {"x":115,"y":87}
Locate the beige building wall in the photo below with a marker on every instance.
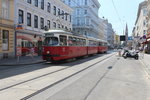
{"x":7,"y":24}
{"x":148,"y":18}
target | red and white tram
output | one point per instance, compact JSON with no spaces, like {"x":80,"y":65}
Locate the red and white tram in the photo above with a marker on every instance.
{"x":60,"y":45}
{"x":103,"y":47}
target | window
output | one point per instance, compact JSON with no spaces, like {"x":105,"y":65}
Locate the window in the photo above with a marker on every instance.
{"x":54,"y":24}
{"x":85,"y":11}
{"x":78,"y":21}
{"x":42,"y":23}
{"x":78,"y":11}
{"x":85,"y":2}
{"x":87,"y":21}
{"x":48,"y":23}
{"x":58,"y":11}
{"x":36,"y":3}
{"x":54,"y":10}
{"x":144,"y":31}
{"x":28,"y":19}
{"x":5,"y":40}
{"x":66,"y":28}
{"x":35,"y":21}
{"x":66,"y":16}
{"x":62,"y":26}
{"x":29,"y":1}
{"x":5,"y":9}
{"x":70,"y":18}
{"x":144,"y":22}
{"x":70,"y":41}
{"x":49,"y":7}
{"x":42,"y":4}
{"x":58,"y":25}
{"x":63,"y":1}
{"x":20,"y":20}
{"x":63,"y":40}
{"x":69,"y":2}
{"x":62,"y":15}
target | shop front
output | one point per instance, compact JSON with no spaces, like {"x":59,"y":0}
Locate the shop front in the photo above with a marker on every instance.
{"x":146,"y":44}
{"x":29,"y":43}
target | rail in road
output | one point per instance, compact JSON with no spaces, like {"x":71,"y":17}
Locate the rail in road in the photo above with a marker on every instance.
{"x":54,"y":72}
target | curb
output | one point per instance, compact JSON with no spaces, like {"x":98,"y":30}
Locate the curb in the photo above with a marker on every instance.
{"x":145,"y":68}
{"x":19,"y":64}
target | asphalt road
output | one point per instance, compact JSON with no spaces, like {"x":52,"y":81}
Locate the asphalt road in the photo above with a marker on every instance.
{"x":99,"y":77}
{"x":113,"y":79}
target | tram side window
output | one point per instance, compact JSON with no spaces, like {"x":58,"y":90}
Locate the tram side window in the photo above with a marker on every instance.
{"x":78,"y":42}
{"x":92,"y":43}
{"x":70,"y":41}
{"x":81,"y":42}
{"x":74,"y":41}
{"x":84,"y":42}
{"x":100,"y":43}
{"x":63,"y":40}
{"x":105,"y":44}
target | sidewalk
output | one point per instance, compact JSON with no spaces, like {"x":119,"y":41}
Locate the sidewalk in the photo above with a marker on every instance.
{"x":23,"y":60}
{"x":146,"y":62}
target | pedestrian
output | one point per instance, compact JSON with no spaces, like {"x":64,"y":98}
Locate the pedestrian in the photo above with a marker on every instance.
{"x":32,"y":52}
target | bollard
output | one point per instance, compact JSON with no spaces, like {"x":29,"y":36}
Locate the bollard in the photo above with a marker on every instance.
{"x":119,"y":53}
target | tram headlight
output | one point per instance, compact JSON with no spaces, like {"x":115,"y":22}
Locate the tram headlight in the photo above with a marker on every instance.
{"x":48,"y":52}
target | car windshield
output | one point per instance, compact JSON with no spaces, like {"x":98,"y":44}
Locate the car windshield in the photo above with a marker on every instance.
{"x":51,"y":41}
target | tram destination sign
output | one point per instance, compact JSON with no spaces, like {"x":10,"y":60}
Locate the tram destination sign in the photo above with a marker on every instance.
{"x":49,"y":34}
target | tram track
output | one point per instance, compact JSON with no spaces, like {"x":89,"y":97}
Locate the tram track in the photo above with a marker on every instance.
{"x":41,"y":90}
{"x":11,"y":86}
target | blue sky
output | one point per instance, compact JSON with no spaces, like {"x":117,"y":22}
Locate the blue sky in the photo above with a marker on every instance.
{"x":127,"y":10}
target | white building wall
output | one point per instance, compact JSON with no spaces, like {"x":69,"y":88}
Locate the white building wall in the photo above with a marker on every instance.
{"x":85,"y":23}
{"x":26,"y":7}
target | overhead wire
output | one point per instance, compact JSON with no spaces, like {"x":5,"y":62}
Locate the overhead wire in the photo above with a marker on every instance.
{"x":117,"y":14}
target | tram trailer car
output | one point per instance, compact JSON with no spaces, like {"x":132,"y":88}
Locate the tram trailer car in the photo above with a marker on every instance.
{"x":60,"y":45}
{"x":102,"y":48}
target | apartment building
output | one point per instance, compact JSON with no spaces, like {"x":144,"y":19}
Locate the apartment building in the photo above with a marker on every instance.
{"x":7,"y":35}
{"x":33,"y":17}
{"x":85,"y":17}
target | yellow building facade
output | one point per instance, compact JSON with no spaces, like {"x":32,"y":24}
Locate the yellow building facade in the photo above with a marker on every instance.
{"x":7,"y":33}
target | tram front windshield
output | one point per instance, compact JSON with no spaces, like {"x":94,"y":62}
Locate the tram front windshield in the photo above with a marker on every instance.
{"x":51,"y":41}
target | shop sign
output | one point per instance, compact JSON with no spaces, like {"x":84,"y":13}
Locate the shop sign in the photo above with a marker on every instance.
{"x":19,"y":26}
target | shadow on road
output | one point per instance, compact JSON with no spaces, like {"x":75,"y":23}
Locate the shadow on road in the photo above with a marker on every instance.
{"x":17,"y":70}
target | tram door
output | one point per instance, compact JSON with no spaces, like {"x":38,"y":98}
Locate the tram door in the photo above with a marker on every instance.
{"x":39,"y":46}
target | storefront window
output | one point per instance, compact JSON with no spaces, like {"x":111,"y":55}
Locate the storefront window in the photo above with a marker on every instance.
{"x":5,"y":40}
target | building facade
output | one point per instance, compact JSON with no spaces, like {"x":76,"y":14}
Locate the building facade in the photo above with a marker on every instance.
{"x":141,"y":21}
{"x":110,"y":34}
{"x":33,"y":17}
{"x":85,"y":17}
{"x":102,"y":29}
{"x":140,"y":28}
{"x":148,"y":18}
{"x":7,"y":28}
